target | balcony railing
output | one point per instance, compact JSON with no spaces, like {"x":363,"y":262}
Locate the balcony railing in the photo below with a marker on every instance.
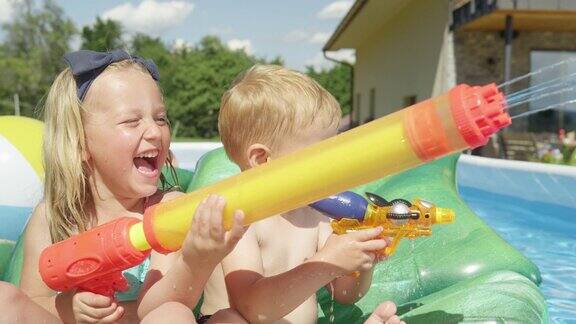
{"x":463,"y":12}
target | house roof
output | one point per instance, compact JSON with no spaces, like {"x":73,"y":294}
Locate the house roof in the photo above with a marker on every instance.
{"x":364,"y":18}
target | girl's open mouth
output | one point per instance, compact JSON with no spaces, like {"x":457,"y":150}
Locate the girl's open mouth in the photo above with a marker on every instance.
{"x":147,"y":163}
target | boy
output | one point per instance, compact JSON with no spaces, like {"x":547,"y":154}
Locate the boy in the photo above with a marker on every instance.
{"x":280,"y":263}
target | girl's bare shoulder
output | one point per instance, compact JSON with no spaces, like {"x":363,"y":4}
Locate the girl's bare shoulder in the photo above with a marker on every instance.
{"x":165,"y":196}
{"x":38,"y":223}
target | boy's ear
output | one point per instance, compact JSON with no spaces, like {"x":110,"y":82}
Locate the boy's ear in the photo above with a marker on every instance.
{"x":257,"y":154}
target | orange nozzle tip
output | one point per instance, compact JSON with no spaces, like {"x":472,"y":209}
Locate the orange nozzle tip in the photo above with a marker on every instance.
{"x":479,"y":112}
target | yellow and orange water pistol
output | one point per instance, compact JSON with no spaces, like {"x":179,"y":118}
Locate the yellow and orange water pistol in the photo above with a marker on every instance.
{"x":464,"y":117}
{"x":399,"y":218}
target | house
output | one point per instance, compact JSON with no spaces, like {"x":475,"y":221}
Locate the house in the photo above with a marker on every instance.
{"x":410,"y":50}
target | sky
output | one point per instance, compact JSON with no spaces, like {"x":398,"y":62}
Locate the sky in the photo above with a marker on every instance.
{"x":295,"y":30}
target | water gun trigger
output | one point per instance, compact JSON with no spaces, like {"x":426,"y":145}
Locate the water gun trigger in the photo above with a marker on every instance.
{"x":390,"y":249}
{"x":106,"y":285}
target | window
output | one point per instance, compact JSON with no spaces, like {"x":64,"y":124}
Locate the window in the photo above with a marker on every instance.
{"x":559,"y":118}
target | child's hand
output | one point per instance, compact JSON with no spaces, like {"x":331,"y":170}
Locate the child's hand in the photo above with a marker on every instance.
{"x":206,"y":242}
{"x":356,"y":251}
{"x":93,"y":308}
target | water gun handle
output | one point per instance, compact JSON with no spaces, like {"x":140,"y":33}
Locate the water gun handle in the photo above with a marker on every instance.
{"x":92,"y":260}
{"x":106,"y":285}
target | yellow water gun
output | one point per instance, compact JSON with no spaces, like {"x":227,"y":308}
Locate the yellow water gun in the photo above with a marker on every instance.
{"x":399,"y":217}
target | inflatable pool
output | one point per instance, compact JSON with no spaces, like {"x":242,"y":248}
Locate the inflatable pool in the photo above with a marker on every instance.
{"x":533,"y":207}
{"x":464,"y":272}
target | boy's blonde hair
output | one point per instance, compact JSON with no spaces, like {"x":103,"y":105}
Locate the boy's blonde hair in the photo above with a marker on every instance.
{"x":69,"y":204}
{"x":269,"y":102}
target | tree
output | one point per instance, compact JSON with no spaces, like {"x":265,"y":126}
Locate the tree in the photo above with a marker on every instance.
{"x":337,"y":81}
{"x":192,"y":79}
{"x":153,"y":48}
{"x":103,"y":36}
{"x":31,"y":55}
{"x":202,"y":76}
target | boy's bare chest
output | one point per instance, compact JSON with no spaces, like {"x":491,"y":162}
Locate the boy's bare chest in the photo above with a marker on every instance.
{"x":285,"y":244}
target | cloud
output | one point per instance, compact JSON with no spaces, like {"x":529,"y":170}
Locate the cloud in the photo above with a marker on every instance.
{"x":335,"y":10}
{"x":7,"y":10}
{"x":320,"y":62}
{"x":297,"y":36}
{"x":150,"y":16}
{"x":75,"y":42}
{"x":241,"y":44}
{"x":319,"y":38}
{"x":180,"y":44}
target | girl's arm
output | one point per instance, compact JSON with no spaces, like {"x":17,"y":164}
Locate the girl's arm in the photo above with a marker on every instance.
{"x":70,"y":307}
{"x":181,"y":276}
{"x":170,"y":279}
{"x":36,"y":238}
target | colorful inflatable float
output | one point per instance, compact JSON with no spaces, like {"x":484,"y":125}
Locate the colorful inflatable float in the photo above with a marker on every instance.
{"x":21,"y":177}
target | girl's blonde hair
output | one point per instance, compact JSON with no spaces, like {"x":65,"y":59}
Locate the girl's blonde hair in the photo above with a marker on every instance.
{"x":69,"y":203}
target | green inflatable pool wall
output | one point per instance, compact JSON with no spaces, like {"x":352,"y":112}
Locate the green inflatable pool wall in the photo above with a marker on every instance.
{"x":14,"y":268}
{"x":464,"y":272}
{"x":184,"y":177}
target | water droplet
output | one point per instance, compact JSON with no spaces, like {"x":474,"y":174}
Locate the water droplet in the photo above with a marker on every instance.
{"x":344,"y":292}
{"x":174,"y":286}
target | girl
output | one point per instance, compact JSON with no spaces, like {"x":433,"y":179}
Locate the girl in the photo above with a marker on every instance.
{"x":106,"y":139}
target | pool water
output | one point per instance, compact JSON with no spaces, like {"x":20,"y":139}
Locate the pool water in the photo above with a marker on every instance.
{"x":544,"y":231}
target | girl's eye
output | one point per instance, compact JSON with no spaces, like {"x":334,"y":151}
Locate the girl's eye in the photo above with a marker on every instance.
{"x":131,"y":122}
{"x":162,"y":121}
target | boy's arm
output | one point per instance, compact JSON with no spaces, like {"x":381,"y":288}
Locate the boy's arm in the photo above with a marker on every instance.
{"x":265,"y":299}
{"x":346,"y":289}
{"x":349,"y":289}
